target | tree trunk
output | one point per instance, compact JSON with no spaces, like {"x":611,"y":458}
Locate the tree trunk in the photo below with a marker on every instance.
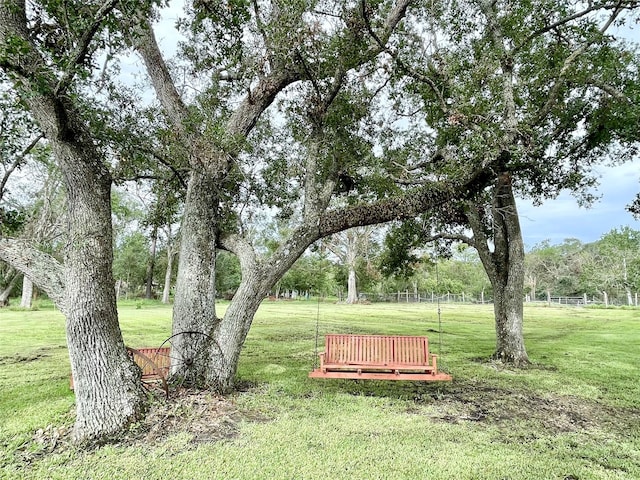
{"x":232,"y":331}
{"x":508,"y":311}
{"x":508,"y":283}
{"x":352,"y":289}
{"x":6,"y":293}
{"x":194,"y":308}
{"x":109,"y":395}
{"x":505,"y":268}
{"x":171,"y":255}
{"x":27,"y":292}
{"x":152,"y":262}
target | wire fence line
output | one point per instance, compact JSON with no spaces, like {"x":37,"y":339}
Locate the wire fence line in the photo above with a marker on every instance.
{"x":423,"y":297}
{"x":432,"y":297}
{"x":470,"y":298}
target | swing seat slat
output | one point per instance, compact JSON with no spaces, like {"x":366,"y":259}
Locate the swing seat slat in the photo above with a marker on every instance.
{"x":379,"y":357}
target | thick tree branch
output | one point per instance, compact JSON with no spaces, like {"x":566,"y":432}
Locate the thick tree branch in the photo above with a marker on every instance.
{"x":481,"y":242}
{"x":610,"y":90}
{"x":242,"y":249}
{"x":246,"y":116}
{"x":458,"y":237}
{"x":41,"y":268}
{"x":54,"y":114}
{"x":393,"y":19}
{"x":248,"y":112}
{"x":409,"y":205}
{"x":158,"y":71}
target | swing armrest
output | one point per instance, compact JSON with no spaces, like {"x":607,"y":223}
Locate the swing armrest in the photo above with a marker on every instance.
{"x":434,"y":362}
{"x":321,"y":355}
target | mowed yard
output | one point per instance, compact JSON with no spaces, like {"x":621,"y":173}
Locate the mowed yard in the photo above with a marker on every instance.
{"x":574,"y":414}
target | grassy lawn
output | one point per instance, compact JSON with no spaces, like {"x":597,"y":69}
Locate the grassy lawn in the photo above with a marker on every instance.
{"x":573,"y":415}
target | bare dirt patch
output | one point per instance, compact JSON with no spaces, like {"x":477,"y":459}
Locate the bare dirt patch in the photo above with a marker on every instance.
{"x":205,"y":416}
{"x":553,"y":414}
{"x":30,"y":357}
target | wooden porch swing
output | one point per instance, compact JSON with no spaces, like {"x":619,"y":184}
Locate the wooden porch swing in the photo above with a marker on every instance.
{"x":379,"y":357}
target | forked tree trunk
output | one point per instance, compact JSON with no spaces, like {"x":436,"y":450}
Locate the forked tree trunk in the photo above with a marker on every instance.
{"x":27,"y":292}
{"x":194,"y":308}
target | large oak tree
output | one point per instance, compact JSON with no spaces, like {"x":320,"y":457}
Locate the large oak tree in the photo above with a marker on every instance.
{"x":544,"y":87}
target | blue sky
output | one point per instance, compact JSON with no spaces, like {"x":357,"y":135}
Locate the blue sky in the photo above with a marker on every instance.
{"x":562,"y":218}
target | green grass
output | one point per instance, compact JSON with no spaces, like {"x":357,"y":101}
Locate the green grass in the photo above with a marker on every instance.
{"x":573,"y":414}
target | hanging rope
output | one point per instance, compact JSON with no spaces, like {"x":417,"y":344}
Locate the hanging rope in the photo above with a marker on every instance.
{"x":315,"y":357}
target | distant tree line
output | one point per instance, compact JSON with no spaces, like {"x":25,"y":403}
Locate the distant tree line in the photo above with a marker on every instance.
{"x":607,"y":267}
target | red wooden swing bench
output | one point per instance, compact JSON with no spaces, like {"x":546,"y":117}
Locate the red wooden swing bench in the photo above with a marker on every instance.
{"x":380,"y":357}
{"x":154,"y":363}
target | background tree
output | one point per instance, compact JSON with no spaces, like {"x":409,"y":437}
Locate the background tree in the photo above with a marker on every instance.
{"x":311,"y":274}
{"x":349,"y":247}
{"x":556,"y":269}
{"x":487,"y":85}
{"x":619,"y":253}
{"x":44,"y":226}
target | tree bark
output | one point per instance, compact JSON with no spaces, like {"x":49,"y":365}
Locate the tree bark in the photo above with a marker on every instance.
{"x":194,"y":308}
{"x":109,"y":395}
{"x":27,"y":292}
{"x":232,"y":331}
